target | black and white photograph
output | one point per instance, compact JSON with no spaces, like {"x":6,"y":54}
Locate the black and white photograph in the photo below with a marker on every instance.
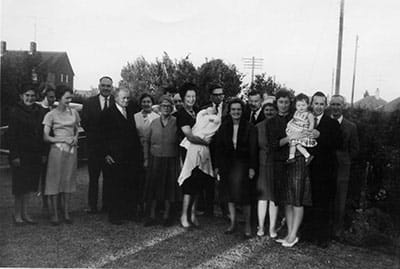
{"x":200,"y":134}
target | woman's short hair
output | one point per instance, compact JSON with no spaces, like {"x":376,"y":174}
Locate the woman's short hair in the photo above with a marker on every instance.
{"x":302,"y":97}
{"x":269,"y":104}
{"x":146,"y":95}
{"x":283,"y":93}
{"x":165,"y":97}
{"x":26,"y":87}
{"x":61,"y":90}
{"x":187,"y":87}
{"x":235,"y":101}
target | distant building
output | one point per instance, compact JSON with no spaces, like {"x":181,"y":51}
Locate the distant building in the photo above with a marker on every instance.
{"x":392,"y":105}
{"x":19,"y":67}
{"x":371,"y":102}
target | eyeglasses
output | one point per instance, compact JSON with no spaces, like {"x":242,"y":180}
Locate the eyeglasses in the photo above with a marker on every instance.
{"x":218,"y":94}
{"x":105,"y":85}
{"x":166,"y":106}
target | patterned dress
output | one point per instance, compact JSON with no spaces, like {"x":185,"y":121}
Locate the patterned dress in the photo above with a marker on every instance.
{"x":297,"y":124}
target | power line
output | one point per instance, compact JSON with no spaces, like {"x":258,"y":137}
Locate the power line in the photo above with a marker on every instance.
{"x":252,"y":64}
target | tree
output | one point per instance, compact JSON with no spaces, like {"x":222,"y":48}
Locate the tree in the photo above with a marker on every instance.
{"x":265,"y":85}
{"x":216,"y":71}
{"x":141,"y":76}
{"x":137,"y":77}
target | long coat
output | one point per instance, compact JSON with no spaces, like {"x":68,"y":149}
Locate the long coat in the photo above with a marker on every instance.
{"x":121,"y":142}
{"x":234,"y":164}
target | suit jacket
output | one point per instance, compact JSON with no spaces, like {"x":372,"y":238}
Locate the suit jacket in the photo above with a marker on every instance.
{"x":349,"y":148}
{"x":246,"y":148}
{"x":259,"y":118}
{"x":120,"y":138}
{"x":325,"y":163}
{"x":91,"y":114}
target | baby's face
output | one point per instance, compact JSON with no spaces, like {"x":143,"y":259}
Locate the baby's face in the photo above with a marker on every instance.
{"x":301,"y":106}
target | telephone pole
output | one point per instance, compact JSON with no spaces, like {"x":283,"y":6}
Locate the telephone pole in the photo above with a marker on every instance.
{"x":252,"y":63}
{"x":339,"y":53}
{"x":354,"y":73}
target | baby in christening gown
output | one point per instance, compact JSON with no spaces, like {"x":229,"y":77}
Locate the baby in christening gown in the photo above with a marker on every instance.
{"x":207,"y":123}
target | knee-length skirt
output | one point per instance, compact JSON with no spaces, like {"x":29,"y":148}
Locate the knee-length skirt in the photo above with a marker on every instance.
{"x":61,"y":171}
{"x":25,"y":178}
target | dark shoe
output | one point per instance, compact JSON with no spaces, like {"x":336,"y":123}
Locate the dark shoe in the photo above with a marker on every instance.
{"x":309,"y":159}
{"x":150,"y":222}
{"x":68,"y":221}
{"x":291,"y":160}
{"x":167,"y":222}
{"x":55,"y":222}
{"x":247,"y":236}
{"x":116,"y":222}
{"x":91,"y":211}
{"x":104,"y":209}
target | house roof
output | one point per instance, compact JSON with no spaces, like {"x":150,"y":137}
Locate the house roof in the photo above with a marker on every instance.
{"x":51,"y":59}
{"x":392,"y":105}
{"x":370,"y":102}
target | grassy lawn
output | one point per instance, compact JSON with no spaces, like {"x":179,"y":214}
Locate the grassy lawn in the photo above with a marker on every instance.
{"x":92,"y":242}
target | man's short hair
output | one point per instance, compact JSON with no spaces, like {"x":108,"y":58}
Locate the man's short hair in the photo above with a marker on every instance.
{"x":339,"y":96}
{"x":319,"y":94}
{"x":255,"y":92}
{"x":214,"y":86}
{"x":105,"y":77}
{"x":170,"y":89}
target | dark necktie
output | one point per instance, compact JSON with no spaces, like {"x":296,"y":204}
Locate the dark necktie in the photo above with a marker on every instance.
{"x":253,"y":117}
{"x":105,"y":103}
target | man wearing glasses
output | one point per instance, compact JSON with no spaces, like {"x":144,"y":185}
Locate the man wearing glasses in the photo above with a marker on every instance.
{"x":206,"y":199}
{"x":92,"y":109}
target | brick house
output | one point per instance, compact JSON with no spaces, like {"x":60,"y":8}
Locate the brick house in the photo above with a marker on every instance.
{"x":31,"y":66}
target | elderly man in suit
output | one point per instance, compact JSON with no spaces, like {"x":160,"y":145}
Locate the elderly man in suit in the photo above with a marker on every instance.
{"x":323,"y":171}
{"x":91,"y":112}
{"x":124,"y":156}
{"x":345,"y":154}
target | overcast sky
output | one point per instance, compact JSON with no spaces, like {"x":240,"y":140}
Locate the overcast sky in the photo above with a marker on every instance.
{"x":296,"y":38}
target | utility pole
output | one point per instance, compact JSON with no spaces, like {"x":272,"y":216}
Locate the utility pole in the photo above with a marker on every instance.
{"x":354,"y":73}
{"x":333,"y":81}
{"x":252,"y":63}
{"x":339,"y":53}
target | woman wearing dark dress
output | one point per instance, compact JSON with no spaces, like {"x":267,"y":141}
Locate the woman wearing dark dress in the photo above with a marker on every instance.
{"x":289,"y":179}
{"x":162,"y":144}
{"x":191,"y":187}
{"x":236,"y":162}
{"x":265,"y":186}
{"x":26,"y":151}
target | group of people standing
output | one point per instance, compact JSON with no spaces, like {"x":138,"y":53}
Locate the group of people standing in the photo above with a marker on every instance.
{"x":261,"y":156}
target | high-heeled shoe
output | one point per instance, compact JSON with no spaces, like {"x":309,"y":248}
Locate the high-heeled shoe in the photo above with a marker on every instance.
{"x":273,"y":235}
{"x":29,"y":221}
{"x":230,"y":230}
{"x":286,"y":244}
{"x":17,"y":223}
{"x":260,"y":232}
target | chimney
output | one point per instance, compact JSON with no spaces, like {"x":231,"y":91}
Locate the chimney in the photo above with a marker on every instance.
{"x":32,"y":49}
{"x":3,"y":47}
{"x":377,"y":94}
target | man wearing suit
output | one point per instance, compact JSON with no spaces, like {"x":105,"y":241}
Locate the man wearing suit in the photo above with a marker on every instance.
{"x":323,"y":171}
{"x":123,"y":155}
{"x":348,"y":150}
{"x":206,"y":199}
{"x":91,"y":123}
{"x":254,"y":114}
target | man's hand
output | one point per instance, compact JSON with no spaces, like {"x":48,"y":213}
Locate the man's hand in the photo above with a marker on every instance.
{"x":146,"y":163}
{"x":109,"y":160}
{"x":16,"y":162}
{"x":252,"y":173}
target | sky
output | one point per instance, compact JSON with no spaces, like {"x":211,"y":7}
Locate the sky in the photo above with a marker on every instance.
{"x":296,"y":39}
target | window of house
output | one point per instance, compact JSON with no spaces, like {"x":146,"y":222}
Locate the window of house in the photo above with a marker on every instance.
{"x":66,"y":78}
{"x":62,"y":77}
